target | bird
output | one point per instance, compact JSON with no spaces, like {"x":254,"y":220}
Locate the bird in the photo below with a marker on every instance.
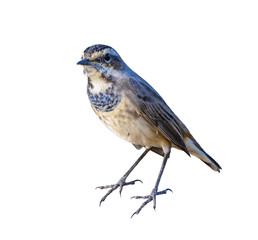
{"x":132,"y":109}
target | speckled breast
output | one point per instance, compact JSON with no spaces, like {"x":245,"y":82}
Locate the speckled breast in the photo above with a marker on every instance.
{"x":105,"y":101}
{"x":123,"y":119}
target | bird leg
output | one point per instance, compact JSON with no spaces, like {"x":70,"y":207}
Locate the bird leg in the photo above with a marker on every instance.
{"x":121,"y":183}
{"x":154,"y":192}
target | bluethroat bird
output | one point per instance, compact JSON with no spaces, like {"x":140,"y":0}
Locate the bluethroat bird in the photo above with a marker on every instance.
{"x":133,"y":110}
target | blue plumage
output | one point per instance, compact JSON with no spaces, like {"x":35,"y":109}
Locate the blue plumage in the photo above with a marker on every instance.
{"x":104,"y":101}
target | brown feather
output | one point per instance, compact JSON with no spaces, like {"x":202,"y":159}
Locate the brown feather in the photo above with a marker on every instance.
{"x":154,"y":109}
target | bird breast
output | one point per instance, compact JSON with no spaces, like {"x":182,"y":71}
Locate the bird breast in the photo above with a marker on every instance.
{"x":104,"y":101}
{"x":125,"y":122}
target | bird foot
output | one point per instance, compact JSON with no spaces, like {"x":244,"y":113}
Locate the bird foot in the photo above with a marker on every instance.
{"x":151,"y":197}
{"x":121,"y":183}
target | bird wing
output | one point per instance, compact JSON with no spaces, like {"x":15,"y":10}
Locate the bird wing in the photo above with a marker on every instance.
{"x":154,"y":109}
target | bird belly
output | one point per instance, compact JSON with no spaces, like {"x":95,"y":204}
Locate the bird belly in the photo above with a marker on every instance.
{"x":132,"y":127}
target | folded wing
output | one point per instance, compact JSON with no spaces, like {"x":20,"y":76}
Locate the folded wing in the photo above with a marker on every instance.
{"x":154,"y":109}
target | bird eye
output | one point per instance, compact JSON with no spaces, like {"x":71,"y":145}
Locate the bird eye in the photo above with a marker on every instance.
{"x":107,"y":57}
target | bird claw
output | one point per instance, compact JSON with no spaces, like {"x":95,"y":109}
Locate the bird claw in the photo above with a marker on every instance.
{"x":121,"y":183}
{"x":151,"y":197}
{"x":164,"y":191}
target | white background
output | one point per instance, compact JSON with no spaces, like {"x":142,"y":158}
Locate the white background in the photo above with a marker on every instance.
{"x":201,"y":56}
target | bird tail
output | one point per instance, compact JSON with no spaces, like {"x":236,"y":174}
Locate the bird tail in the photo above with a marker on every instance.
{"x":195,"y":149}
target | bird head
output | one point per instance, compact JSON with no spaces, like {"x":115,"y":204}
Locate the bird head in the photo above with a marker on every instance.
{"x":101,"y":60}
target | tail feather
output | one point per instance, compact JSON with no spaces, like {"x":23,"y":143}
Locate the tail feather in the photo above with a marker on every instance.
{"x":212,"y":163}
{"x":196,"y":150}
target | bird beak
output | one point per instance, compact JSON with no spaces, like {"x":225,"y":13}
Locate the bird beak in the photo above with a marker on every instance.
{"x":84,"y":62}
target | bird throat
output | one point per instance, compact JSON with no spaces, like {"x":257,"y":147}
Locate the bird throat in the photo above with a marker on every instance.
{"x":104,"y":98}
